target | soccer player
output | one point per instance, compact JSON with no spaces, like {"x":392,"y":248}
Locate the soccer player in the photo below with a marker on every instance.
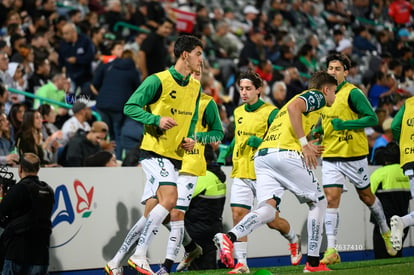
{"x":252,"y":120}
{"x":345,"y":154}
{"x":283,"y":162}
{"x":208,"y":130}
{"x":403,"y":130}
{"x":167,"y":103}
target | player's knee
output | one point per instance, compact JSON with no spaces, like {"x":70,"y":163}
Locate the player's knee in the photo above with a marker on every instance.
{"x":366,"y":196}
{"x":238,"y":213}
{"x":177,"y":214}
{"x":266,"y":211}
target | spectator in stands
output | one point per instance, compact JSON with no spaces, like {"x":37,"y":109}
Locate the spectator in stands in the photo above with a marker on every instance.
{"x":15,"y":116}
{"x":49,"y":118}
{"x":384,"y":85}
{"x":54,"y":90}
{"x":293,"y":82}
{"x":76,"y":53}
{"x":153,"y":52}
{"x":113,"y":15}
{"x":4,"y":97}
{"x":345,"y":47}
{"x":306,"y":59}
{"x":81,"y":115}
{"x":19,"y":82}
{"x":40,"y":76}
{"x":225,"y":41}
{"x":400,"y":12}
{"x":5,"y":76}
{"x":286,"y":58}
{"x":253,"y":49}
{"x":156,"y":14}
{"x":6,"y":143}
{"x":49,"y":10}
{"x":29,"y":139}
{"x":115,"y":82}
{"x":278,"y":94}
{"x":84,"y":144}
{"x":382,"y":140}
{"x":139,"y":15}
{"x":362,"y":44}
{"x":408,"y":83}
{"x":101,"y":159}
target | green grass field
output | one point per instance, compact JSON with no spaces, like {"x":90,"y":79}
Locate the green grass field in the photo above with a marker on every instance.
{"x":400,"y":266}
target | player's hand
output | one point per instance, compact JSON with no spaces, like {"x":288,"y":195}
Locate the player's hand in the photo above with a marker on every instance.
{"x":311,"y":152}
{"x":188,"y":144}
{"x":167,"y":123}
{"x":338,"y":124}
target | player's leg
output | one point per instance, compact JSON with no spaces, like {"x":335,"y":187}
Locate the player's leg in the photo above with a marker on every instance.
{"x":282,"y":225}
{"x":267,"y":191}
{"x":241,"y":202}
{"x":185,"y":188}
{"x":114,"y":266}
{"x":399,"y":223}
{"x":164,"y":172}
{"x":333,"y":186}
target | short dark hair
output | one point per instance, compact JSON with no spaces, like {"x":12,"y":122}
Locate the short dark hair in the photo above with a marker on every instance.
{"x":320,"y":79}
{"x":342,"y":58}
{"x":186,"y":43}
{"x":252,"y":76}
{"x":30,"y":163}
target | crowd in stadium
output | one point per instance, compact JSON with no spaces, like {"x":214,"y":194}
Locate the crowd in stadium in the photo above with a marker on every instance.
{"x":97,"y":53}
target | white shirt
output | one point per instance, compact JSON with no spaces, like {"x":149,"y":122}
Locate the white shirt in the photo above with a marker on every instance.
{"x":71,"y":126}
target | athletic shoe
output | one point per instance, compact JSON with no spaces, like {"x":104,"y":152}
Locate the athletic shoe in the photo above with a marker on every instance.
{"x":141,"y":265}
{"x":331,"y":256}
{"x":113,"y":270}
{"x":320,"y":267}
{"x":295,"y":252}
{"x":397,"y":232}
{"x":162,"y":271}
{"x":225,"y":247}
{"x":240,"y":268}
{"x":388,"y":245}
{"x":189,"y":258}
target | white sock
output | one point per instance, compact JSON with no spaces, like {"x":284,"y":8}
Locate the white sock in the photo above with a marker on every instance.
{"x":262,"y":215}
{"x":291,"y":236}
{"x":154,"y":220}
{"x":175,"y":240}
{"x":378,"y":212}
{"x":331,"y":226}
{"x":315,"y":227}
{"x":408,"y":219}
{"x":129,"y":241}
{"x":240,"y":252}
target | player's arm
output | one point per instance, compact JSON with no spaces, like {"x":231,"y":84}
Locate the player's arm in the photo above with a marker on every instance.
{"x":225,"y":151}
{"x":359,"y":104}
{"x":397,"y":122}
{"x":255,"y":141}
{"x":215,"y":131}
{"x":144,"y":94}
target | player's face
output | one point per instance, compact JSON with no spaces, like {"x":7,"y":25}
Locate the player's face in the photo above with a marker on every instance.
{"x":336,"y":69}
{"x":195,"y":59}
{"x":248,"y":92}
{"x":329,"y":92}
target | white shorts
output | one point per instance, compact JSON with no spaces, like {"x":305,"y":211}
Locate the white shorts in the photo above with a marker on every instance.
{"x":334,"y":173}
{"x":185,"y":187}
{"x":159,"y":171}
{"x":278,"y":171}
{"x":243,"y":193}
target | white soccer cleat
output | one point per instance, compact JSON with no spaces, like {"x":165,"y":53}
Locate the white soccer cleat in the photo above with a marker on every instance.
{"x":397,"y":232}
{"x":111,"y":269}
{"x":141,"y":265}
{"x":239,"y":268}
{"x":295,"y":252}
{"x":189,"y":258}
